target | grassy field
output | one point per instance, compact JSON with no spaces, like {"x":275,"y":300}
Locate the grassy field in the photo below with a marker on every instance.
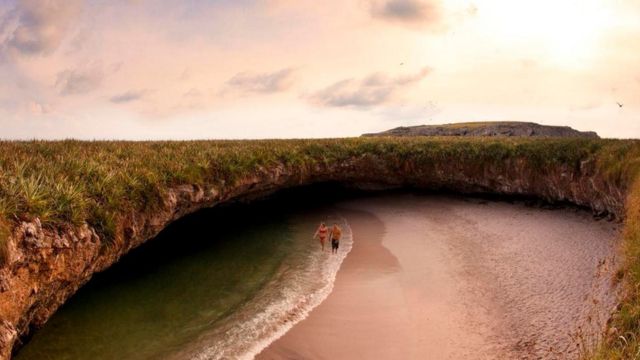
{"x":69,"y":183}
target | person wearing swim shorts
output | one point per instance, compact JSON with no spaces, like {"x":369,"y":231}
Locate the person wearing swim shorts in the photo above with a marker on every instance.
{"x":336,"y":234}
{"x":321,"y":234}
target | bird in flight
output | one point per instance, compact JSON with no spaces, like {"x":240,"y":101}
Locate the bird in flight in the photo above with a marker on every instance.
{"x":619,"y":105}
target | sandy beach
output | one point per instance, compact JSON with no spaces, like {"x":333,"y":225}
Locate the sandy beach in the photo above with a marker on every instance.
{"x":451,"y":278}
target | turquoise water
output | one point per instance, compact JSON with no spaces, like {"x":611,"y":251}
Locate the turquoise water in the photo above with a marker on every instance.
{"x":221,"y":283}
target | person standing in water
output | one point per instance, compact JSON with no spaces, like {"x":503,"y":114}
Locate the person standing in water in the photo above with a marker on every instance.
{"x":321,"y":234}
{"x":336,"y":234}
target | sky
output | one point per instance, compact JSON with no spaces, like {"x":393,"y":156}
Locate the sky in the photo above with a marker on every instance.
{"x":218,"y":69}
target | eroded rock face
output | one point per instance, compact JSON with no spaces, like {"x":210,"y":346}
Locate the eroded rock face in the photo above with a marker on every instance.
{"x":47,"y":266}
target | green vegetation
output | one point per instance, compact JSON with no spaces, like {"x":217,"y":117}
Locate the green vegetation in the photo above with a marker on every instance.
{"x":68,"y":183}
{"x":624,"y":341}
{"x":4,"y":237}
{"x":477,"y":124}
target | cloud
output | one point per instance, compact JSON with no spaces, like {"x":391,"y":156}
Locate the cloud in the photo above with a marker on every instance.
{"x":39,"y":26}
{"x":193,"y":99}
{"x":375,"y":89}
{"x":408,"y":11}
{"x":193,"y":93}
{"x":262,"y":83}
{"x":410,"y":112}
{"x":472,"y":10}
{"x":128,"y":96}
{"x":38,"y":108}
{"x":79,"y":81}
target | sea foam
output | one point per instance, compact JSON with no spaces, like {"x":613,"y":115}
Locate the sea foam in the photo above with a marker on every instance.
{"x":285,"y":301}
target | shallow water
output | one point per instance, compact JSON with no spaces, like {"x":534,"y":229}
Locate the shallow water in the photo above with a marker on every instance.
{"x":429,"y":276}
{"x":221,"y":284}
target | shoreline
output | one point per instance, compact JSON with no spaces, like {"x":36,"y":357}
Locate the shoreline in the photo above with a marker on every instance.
{"x":440,"y":299}
{"x":301,"y":312}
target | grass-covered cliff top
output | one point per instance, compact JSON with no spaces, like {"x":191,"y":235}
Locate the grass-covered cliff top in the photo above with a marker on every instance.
{"x":74,"y":181}
{"x":69,"y":183}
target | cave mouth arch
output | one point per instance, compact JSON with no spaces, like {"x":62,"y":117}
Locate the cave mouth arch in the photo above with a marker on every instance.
{"x":244,"y":213}
{"x":205,"y":230}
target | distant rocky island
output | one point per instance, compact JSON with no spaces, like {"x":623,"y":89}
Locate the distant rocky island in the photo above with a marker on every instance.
{"x":497,"y":128}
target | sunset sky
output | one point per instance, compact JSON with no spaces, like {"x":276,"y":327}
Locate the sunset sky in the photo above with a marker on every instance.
{"x":136,"y":69}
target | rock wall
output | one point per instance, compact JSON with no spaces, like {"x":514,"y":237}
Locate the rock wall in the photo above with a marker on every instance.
{"x":47,"y":266}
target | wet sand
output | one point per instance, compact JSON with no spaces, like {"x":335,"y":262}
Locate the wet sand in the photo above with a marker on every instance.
{"x":451,"y":278}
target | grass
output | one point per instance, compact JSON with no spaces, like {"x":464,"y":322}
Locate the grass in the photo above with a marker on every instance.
{"x":624,"y":341}
{"x":4,"y":246}
{"x":477,"y":124}
{"x":69,"y":183}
